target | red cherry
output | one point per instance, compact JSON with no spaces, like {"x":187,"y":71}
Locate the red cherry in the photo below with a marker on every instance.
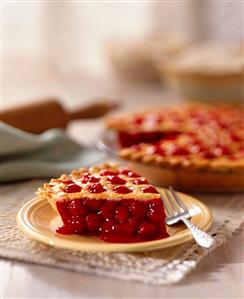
{"x":108,"y":172}
{"x":179,"y":151}
{"x":131,"y":226}
{"x":83,"y":211}
{"x":67,"y":182}
{"x":93,"y":179}
{"x":93,"y":222}
{"x":124,"y":171}
{"x":149,"y":189}
{"x":71,"y":229}
{"x":116,"y":180}
{"x":208,"y":155}
{"x":146,"y":229}
{"x":138,"y":120}
{"x":72,"y":188}
{"x":107,"y":210}
{"x":74,"y":207}
{"x":107,"y":227}
{"x":86,"y":175}
{"x":235,"y":137}
{"x":157,"y":149}
{"x":96,"y":188}
{"x":122,"y":214}
{"x":156,"y":212}
{"x":65,"y":230}
{"x":171,"y":137}
{"x":225,"y":151}
{"x":132,"y":174}
{"x":85,"y":179}
{"x":122,"y":190}
{"x":74,"y":220}
{"x":138,"y":209}
{"x":90,"y":179}
{"x":63,"y":211}
{"x":141,"y":181}
{"x":119,"y":228}
{"x":93,"y":204}
{"x":219,"y":151}
{"x":190,"y":133}
{"x":76,"y":226}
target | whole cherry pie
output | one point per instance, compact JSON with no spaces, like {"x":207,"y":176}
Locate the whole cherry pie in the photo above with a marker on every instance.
{"x":198,"y":145}
{"x":112,"y":203}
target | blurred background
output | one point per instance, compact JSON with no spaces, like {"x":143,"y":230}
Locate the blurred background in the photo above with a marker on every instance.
{"x":76,"y":51}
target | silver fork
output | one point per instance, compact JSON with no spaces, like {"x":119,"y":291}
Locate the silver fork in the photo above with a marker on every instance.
{"x":176,"y":210}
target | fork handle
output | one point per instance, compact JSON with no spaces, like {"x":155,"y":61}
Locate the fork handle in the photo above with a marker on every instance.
{"x":202,"y":238}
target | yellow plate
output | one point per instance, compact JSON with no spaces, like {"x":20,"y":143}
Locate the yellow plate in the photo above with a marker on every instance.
{"x":38,"y":220}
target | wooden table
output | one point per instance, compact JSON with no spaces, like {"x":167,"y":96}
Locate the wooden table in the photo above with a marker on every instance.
{"x":220,"y":275}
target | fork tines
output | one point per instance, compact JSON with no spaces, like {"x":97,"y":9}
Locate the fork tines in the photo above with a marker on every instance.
{"x":174,"y":206}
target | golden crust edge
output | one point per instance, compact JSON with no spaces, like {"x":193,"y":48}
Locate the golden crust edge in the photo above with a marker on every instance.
{"x":173,"y":162}
{"x":192,"y":180}
{"x":46,"y":193}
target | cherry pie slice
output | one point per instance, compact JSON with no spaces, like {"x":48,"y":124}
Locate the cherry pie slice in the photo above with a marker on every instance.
{"x":112,"y":203}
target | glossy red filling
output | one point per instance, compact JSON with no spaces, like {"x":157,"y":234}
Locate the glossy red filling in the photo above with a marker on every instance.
{"x":219,"y":127}
{"x":115,"y":221}
{"x":129,"y":139}
{"x":194,"y":146}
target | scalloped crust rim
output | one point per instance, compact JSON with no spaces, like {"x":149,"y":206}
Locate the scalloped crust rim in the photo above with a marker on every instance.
{"x":195,"y":180}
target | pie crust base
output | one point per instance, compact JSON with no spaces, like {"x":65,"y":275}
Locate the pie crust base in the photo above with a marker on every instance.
{"x":192,"y":180}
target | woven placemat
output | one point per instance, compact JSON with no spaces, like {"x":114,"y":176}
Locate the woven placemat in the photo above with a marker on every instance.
{"x":156,"y":267}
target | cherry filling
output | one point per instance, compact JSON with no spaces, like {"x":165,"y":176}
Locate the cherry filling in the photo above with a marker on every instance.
{"x":149,"y":189}
{"x":122,"y":190}
{"x":90,"y":179}
{"x":96,"y":188}
{"x":140,"y":181}
{"x":108,"y":172}
{"x":72,"y":188}
{"x":67,"y":182}
{"x":129,"y":139}
{"x":115,"y":221}
{"x":116,"y":180}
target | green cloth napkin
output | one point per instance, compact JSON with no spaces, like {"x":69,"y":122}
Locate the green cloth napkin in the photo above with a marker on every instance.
{"x":24,"y":155}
